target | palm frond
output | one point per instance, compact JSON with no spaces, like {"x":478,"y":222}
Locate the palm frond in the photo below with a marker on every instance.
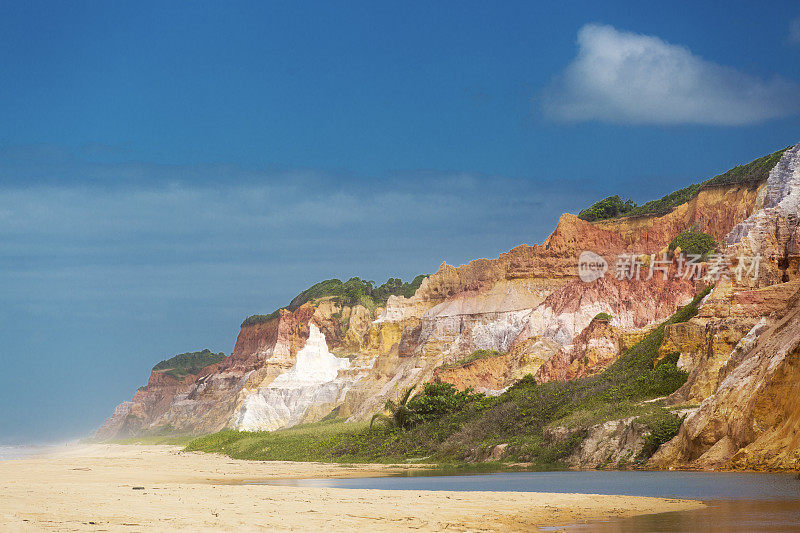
{"x":381,"y":418}
{"x":407,"y":395}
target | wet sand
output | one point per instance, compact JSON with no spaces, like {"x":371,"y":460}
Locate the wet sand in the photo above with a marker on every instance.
{"x":107,"y":487}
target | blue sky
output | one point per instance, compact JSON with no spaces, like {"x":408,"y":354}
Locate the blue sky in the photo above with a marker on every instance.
{"x":169,"y":168}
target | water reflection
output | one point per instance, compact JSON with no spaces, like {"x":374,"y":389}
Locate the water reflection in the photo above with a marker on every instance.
{"x":738,"y":502}
{"x":685,"y":485}
{"x":722,"y":515}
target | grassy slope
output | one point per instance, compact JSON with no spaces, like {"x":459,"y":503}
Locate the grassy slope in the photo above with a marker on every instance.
{"x":517,"y":417}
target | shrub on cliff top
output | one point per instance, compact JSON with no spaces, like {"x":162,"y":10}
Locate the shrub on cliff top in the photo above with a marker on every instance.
{"x":356,"y":290}
{"x":187,"y":363}
{"x":351,"y":292}
{"x":602,"y":316}
{"x":260,"y":319}
{"x":751,"y":173}
{"x":610,"y":207}
{"x":664,"y":205}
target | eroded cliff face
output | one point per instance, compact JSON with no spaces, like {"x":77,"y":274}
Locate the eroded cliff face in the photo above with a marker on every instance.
{"x":317,"y":377}
{"x":328,"y":359}
{"x":743,"y":350}
{"x":492,"y":375}
{"x":752,"y":420}
{"x":715,"y":210}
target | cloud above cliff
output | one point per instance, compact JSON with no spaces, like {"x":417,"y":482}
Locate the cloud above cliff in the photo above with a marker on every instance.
{"x":630,"y":78}
{"x":794,"y":31}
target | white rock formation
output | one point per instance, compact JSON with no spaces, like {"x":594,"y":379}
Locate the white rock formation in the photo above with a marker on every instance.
{"x":314,"y":379}
{"x":782,"y":198}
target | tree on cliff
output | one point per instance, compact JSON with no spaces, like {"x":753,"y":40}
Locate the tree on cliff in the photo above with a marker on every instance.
{"x":610,"y":207}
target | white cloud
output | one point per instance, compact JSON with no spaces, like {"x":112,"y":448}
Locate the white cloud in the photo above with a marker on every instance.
{"x":794,"y":31}
{"x":624,"y":77}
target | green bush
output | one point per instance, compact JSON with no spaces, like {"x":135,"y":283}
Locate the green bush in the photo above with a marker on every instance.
{"x":602,"y":316}
{"x":670,"y":358}
{"x":260,"y":319}
{"x":439,"y":399}
{"x":400,"y":415}
{"x":351,"y":292}
{"x":664,"y":205}
{"x":751,"y":173}
{"x":663,"y":426}
{"x":356,"y":290}
{"x":610,"y":207}
{"x":187,"y":363}
{"x":694,"y":243}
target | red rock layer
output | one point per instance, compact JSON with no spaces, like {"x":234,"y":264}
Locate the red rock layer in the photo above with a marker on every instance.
{"x":289,"y":329}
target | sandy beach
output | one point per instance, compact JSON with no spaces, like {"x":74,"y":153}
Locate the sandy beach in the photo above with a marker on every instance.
{"x":107,"y":487}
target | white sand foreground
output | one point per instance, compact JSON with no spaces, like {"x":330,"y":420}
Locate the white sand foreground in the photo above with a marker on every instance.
{"x":91,"y":488}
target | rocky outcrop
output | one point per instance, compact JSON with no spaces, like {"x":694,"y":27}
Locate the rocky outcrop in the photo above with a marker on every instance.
{"x":752,"y":420}
{"x":591,"y":350}
{"x":317,"y":377}
{"x":715,"y":210}
{"x":632,"y":304}
{"x":207,"y":401}
{"x":772,"y":231}
{"x":612,"y":444}
{"x":494,"y":374}
{"x":704,"y":346}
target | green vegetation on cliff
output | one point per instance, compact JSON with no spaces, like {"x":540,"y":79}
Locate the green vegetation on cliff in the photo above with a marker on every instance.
{"x":260,"y":319}
{"x":357,"y":290}
{"x":694,"y":243}
{"x":187,"y":363}
{"x":610,"y":207}
{"x":351,"y":292}
{"x":750,"y":174}
{"x":663,"y":426}
{"x":449,"y":426}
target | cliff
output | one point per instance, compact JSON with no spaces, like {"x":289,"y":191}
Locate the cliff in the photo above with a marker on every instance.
{"x":329,"y":355}
{"x":748,"y":381}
